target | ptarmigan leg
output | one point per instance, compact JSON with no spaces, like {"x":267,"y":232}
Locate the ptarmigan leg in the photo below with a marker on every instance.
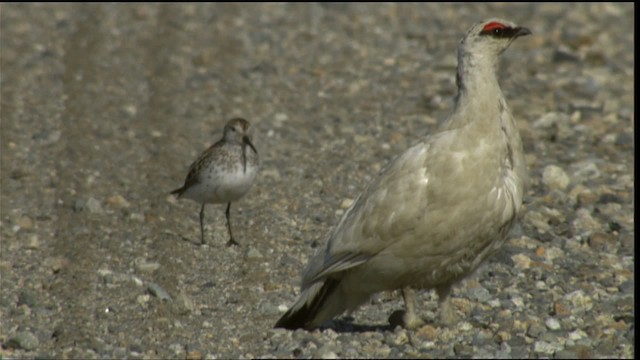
{"x":447,"y":312}
{"x":410,"y":319}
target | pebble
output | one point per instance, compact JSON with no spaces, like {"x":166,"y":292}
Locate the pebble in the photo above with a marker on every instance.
{"x":326,"y":352}
{"x":25,"y":223}
{"x":585,"y":170}
{"x":346,"y":203}
{"x":143,"y":299}
{"x":91,"y":204}
{"x":555,"y":177}
{"x":427,"y":332}
{"x":536,"y":330}
{"x":552,"y":324}
{"x":479,"y":294}
{"x":600,"y":241}
{"x":23,"y":340}
{"x":27,"y":297}
{"x":118,"y":201}
{"x":157,"y":291}
{"x":584,"y":223}
{"x":145,"y":266}
{"x":545,"y":347}
{"x":33,"y":242}
{"x":580,"y":301}
{"x":254,"y":254}
{"x":184,"y":304}
{"x":521,"y":261}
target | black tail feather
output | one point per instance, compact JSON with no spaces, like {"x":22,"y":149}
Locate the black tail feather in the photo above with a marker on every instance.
{"x":302,"y":316}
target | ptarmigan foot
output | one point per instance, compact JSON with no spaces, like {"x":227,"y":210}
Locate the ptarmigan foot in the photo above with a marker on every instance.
{"x":448,"y":316}
{"x":408,"y":318}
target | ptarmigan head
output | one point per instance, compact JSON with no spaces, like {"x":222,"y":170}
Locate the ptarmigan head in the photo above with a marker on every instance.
{"x":490,"y":37}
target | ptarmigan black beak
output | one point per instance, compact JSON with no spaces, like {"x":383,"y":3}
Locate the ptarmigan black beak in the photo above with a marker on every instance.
{"x":521,"y":31}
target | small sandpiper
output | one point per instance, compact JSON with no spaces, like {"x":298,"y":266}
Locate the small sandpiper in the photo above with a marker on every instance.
{"x":223,"y":173}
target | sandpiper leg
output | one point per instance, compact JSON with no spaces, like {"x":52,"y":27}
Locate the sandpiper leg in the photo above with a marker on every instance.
{"x":202,"y":225}
{"x":231,"y":240}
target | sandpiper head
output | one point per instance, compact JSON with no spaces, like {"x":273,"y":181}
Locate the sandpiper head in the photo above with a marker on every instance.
{"x":237,"y":129}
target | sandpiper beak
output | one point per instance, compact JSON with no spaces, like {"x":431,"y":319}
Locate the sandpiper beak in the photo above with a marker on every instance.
{"x":247,"y":140}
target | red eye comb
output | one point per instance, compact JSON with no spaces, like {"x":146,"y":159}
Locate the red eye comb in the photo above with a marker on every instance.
{"x":493,"y":25}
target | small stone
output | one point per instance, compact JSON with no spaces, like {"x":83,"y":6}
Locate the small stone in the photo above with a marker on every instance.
{"x":518,"y":302}
{"x":565,"y":354}
{"x":479,"y":294}
{"x":279,"y":119}
{"x":560,"y":309}
{"x":184,"y":304}
{"x":584,"y":223}
{"x":502,"y":336}
{"x":401,"y":338}
{"x":585,"y":170}
{"x":157,"y":291}
{"x":118,"y":201}
{"x":94,"y":206}
{"x":545,"y":347}
{"x":521,"y":261}
{"x":130,"y":110}
{"x":27,"y":297}
{"x":254,"y":254}
{"x":143,"y":299}
{"x":555,"y":177}
{"x":552,"y":324}
{"x":580,"y":301}
{"x":146,"y":266}
{"x":536,"y":330}
{"x":346,"y":203}
{"x":24,"y":222}
{"x":553,"y":253}
{"x":23,"y":340}
{"x":564,"y":54}
{"x":600,"y":241}
{"x":577,"y":335}
{"x":33,"y":242}
{"x":538,"y":220}
{"x":427,"y":332}
{"x":327,"y":351}
{"x":194,"y":355}
{"x":581,"y":351}
{"x":56,"y":264}
{"x":463,"y":350}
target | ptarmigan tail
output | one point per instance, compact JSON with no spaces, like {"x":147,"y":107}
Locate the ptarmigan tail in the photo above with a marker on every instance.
{"x":317,"y":303}
{"x":321,"y":301}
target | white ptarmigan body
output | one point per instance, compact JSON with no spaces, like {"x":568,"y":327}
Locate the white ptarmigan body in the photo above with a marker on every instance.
{"x":435,"y":212}
{"x":223,"y":173}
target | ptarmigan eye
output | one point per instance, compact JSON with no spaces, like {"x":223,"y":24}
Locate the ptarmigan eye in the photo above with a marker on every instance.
{"x":494,"y":29}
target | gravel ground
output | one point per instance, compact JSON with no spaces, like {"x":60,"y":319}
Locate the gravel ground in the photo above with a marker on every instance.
{"x":103,"y":108}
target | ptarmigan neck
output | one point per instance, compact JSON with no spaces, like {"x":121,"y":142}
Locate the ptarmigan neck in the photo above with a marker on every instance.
{"x":478,"y":89}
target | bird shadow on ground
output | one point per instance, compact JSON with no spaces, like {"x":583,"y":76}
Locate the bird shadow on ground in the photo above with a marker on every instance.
{"x":346,"y":325}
